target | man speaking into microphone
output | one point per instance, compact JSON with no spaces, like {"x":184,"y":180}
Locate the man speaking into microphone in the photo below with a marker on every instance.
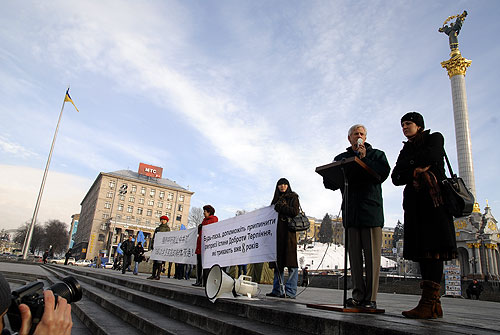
{"x":366,"y":219}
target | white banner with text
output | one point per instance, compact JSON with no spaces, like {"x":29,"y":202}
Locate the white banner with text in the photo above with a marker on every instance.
{"x":244,"y":239}
{"x":175,"y":246}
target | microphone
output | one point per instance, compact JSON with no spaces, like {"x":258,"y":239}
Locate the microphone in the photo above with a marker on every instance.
{"x":360,"y":141}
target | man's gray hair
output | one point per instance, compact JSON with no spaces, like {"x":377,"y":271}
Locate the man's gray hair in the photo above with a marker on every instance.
{"x":356,"y":126}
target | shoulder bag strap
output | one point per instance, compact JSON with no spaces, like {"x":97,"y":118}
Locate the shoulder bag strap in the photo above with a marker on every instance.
{"x":448,"y":163}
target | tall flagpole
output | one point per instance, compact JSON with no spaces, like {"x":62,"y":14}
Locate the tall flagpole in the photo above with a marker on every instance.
{"x":29,"y":235}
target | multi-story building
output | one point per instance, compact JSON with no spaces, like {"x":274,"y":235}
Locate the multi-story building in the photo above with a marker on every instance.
{"x":313,"y":231}
{"x":72,"y":231}
{"x":124,"y":202}
{"x":387,"y":239}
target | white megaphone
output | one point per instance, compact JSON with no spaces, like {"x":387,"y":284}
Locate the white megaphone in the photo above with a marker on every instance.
{"x":221,"y":285}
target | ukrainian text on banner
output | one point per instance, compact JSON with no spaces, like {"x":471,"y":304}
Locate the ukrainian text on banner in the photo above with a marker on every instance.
{"x":244,"y":239}
{"x":175,"y":246}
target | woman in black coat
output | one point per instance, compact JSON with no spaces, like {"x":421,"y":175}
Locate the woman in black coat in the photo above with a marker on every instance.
{"x":138,"y":256}
{"x":286,"y":203}
{"x":429,"y":233}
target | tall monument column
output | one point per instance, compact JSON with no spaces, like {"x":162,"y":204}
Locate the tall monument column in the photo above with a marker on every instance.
{"x":456,"y":67}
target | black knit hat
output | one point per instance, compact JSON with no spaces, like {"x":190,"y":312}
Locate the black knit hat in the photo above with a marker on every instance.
{"x":415,"y":117}
{"x":5,"y":295}
{"x":283,"y":181}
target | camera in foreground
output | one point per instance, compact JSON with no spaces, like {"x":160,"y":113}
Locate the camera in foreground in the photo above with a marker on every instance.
{"x":32,"y":296}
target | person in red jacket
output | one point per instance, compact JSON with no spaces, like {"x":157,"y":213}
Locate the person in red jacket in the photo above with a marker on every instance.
{"x":201,"y":276}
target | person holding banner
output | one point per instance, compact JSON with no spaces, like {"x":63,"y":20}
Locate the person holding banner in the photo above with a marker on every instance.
{"x":157,"y":265}
{"x":286,"y":203}
{"x":429,"y":234}
{"x":201,"y":275}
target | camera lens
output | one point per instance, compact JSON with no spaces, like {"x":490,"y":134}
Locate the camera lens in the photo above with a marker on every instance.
{"x":68,"y":289}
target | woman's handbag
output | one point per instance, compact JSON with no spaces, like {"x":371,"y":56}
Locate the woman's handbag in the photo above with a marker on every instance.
{"x":299,"y":222}
{"x":459,"y":201}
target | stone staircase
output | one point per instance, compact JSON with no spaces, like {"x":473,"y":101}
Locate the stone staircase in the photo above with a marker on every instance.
{"x":116,"y":304}
{"x":113,"y":303}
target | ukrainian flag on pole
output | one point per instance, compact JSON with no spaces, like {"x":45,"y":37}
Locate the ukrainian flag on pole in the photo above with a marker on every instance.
{"x":68,"y":98}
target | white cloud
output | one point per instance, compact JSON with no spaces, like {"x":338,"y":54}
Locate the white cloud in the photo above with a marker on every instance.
{"x":269,"y":93}
{"x":19,"y":187}
{"x":15,"y":149}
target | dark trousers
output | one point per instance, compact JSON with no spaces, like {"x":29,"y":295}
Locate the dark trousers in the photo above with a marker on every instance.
{"x":242,"y":270}
{"x":127,"y":260}
{"x":199,"y":269}
{"x":471,"y":293}
{"x":179,"y":271}
{"x":157,"y":265}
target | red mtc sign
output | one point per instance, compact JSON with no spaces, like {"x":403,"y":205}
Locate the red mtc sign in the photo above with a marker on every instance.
{"x":150,"y":170}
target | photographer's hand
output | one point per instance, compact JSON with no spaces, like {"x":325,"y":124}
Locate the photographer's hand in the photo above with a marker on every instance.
{"x":54,"y":321}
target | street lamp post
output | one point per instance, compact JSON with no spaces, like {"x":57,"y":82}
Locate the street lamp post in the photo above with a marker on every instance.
{"x":121,"y":191}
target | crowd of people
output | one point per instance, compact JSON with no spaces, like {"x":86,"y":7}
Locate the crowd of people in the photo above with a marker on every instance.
{"x":419,"y":168}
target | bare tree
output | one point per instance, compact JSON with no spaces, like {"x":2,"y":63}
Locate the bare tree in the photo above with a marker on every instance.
{"x":36,"y":238}
{"x":240,"y":212}
{"x":56,"y":235}
{"x":195,"y":217}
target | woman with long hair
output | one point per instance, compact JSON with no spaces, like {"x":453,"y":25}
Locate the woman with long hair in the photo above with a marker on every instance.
{"x":429,"y":233}
{"x":286,"y":203}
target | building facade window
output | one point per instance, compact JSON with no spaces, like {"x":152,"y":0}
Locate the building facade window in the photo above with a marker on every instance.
{"x":141,"y":201}
{"x":162,"y":194}
{"x":109,"y":195}
{"x":112,"y":184}
{"x":131,"y":199}
{"x":180,"y":208}
{"x":168,"y":214}
{"x":149,"y":212}
{"x":143,"y":190}
{"x":148,"y":222}
{"x":128,"y":217}
{"x":122,"y":197}
{"x":160,"y":204}
{"x":181,"y":197}
{"x":105,"y":215}
{"x":170,"y":196}
{"x":139,"y":210}
{"x":100,"y":238}
{"x":168,"y":205}
{"x":138,"y":220}
{"x":120,"y":207}
{"x":130,"y":209}
{"x":107,"y":205}
{"x":133,"y":189}
{"x":118,"y":216}
{"x":178,"y":218}
{"x":158,"y":214}
{"x":152,"y":193}
{"x":151,"y":202}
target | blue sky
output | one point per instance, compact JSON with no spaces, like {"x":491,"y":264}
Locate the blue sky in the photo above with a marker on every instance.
{"x":229,"y":96}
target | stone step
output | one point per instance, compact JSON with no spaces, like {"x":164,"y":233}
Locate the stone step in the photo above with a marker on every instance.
{"x":280,"y":315}
{"x":100,"y":321}
{"x":171,"y":314}
{"x":119,"y":303}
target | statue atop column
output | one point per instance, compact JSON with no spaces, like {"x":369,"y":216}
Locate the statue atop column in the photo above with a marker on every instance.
{"x":453,"y":29}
